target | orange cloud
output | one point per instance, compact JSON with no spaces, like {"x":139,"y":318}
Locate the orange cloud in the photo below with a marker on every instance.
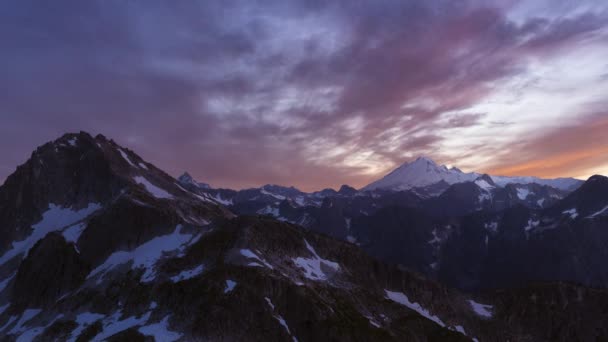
{"x":576,"y":151}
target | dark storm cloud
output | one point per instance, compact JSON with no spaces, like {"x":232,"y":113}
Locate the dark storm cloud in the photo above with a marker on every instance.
{"x":242,"y":93}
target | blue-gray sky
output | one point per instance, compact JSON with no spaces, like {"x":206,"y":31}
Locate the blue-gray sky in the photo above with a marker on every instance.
{"x":312,"y":93}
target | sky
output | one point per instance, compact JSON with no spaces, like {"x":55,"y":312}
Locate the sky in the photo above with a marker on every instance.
{"x":312,"y":93}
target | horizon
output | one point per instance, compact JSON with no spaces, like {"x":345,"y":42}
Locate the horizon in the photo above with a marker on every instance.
{"x":336,"y":188}
{"x":309,"y":94}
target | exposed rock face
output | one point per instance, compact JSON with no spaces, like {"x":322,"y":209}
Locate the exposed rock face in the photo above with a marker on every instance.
{"x":52,"y":268}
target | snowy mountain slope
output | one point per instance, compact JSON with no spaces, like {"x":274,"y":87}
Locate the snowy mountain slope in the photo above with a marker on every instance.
{"x":420,"y":173}
{"x":423,"y":172}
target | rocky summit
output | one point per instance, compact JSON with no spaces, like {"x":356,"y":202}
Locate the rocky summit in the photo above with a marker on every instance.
{"x":99,"y":245}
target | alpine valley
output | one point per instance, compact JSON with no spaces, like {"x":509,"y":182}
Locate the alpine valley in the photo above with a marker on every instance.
{"x":98,"y":244}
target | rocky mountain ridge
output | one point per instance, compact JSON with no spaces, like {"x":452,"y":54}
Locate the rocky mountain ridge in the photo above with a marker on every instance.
{"x":100,"y":245}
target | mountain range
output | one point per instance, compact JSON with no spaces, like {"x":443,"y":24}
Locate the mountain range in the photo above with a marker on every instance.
{"x":99,"y":244}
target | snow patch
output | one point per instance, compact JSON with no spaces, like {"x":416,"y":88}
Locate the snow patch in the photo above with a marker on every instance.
{"x":484,"y":196}
{"x":72,"y":233}
{"x":482,"y":183}
{"x":247,"y":253}
{"x":9,"y":322}
{"x":5,"y":282}
{"x":268,"y":210}
{"x":55,"y":218}
{"x":151,"y":188}
{"x":126,"y":157}
{"x":435,"y":239}
{"x":188,"y":274}
{"x":572,"y":212}
{"x":280,"y":319}
{"x":84,"y":320}
{"x":312,"y":266}
{"x":26,"y":316}
{"x":160,"y":331}
{"x":230,"y":285}
{"x":402,"y":299}
{"x":372,"y":321}
{"x":599,"y":213}
{"x":279,"y":197}
{"x":300,"y":200}
{"x":146,"y":255}
{"x":531,"y":225}
{"x":218,"y":198}
{"x":522,"y":193}
{"x":4,"y":307}
{"x":491,"y":226}
{"x":113,"y":325}
{"x":30,"y":335}
{"x":482,"y":310}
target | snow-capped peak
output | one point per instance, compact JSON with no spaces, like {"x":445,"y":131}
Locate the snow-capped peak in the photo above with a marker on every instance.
{"x":423,"y":172}
{"x":419,"y":173}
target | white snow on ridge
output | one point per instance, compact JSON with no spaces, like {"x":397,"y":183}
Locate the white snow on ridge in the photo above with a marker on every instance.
{"x":312,"y":267}
{"x":372,"y":321}
{"x":522,"y":193}
{"x":482,"y":183}
{"x":540,"y":202}
{"x":279,"y":197}
{"x":146,"y":255}
{"x":249,"y":254}
{"x":435,"y":238}
{"x":72,"y":233}
{"x":482,"y":310}
{"x":8,"y":323}
{"x":531,"y":225}
{"x":599,"y":213}
{"x":160,"y":331}
{"x":151,"y":188}
{"x":30,"y":334}
{"x":55,"y":218}
{"x":558,"y":183}
{"x":4,"y":307}
{"x":84,"y":320}
{"x":218,"y":198}
{"x":112,"y":325}
{"x":484,"y":196}
{"x":401,"y":298}
{"x":126,"y":157}
{"x":573,"y":213}
{"x":280,"y":319}
{"x":26,"y":316}
{"x":491,"y":226}
{"x":268,"y":210}
{"x":230,"y":285}
{"x":188,"y":274}
{"x":6,"y":280}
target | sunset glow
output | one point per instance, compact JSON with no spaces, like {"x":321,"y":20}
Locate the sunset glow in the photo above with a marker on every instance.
{"x":313,"y":94}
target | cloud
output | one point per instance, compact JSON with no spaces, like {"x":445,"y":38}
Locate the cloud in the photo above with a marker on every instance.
{"x":242,"y":93}
{"x":578,"y":150}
